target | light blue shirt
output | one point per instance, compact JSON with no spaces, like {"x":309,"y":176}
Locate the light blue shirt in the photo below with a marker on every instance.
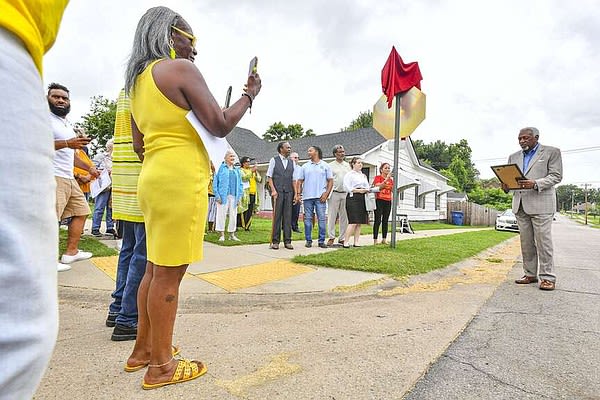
{"x":315,"y":177}
{"x":528,"y":155}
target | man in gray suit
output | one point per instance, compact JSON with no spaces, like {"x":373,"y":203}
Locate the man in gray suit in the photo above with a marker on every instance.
{"x":534,"y":205}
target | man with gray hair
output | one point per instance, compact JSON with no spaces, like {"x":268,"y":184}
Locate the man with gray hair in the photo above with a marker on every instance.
{"x":336,"y":205}
{"x":534,"y":204}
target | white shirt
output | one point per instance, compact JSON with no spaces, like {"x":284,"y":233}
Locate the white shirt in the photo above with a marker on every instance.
{"x":355,"y":180}
{"x":339,"y":172}
{"x":65,"y":157}
{"x":284,"y":161}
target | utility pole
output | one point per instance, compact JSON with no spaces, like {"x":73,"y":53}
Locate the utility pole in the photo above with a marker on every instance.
{"x":585,"y":205}
{"x":572,"y":202}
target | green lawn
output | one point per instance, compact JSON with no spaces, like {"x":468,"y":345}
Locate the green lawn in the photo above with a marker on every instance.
{"x":427,"y":226}
{"x":410,"y":257}
{"x":593,"y":220}
{"x":86,"y":243}
{"x":260,"y":232}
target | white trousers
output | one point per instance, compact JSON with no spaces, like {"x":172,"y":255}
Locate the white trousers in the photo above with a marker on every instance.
{"x":224,"y":210}
{"x":336,"y":206}
{"x":29,"y":229}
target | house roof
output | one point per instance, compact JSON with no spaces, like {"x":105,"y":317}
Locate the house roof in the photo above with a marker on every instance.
{"x":456,"y":195}
{"x":245,"y":143}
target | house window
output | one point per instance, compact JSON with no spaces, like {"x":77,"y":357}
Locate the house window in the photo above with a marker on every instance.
{"x":400,"y":195}
{"x":437,"y":201}
{"x":417,"y":197}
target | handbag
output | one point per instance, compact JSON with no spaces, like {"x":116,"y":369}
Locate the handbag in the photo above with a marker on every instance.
{"x":370,"y":203}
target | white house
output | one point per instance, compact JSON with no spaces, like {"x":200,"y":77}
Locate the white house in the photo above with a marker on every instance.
{"x":423,"y":191}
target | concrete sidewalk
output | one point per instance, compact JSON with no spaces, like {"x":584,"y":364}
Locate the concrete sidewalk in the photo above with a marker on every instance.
{"x":250,"y":269}
{"x":293,"y":338}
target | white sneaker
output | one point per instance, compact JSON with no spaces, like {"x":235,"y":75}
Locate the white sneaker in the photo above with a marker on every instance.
{"x":81,"y":255}
{"x":234,"y":238}
{"x":222,"y":238}
{"x":63,"y":267}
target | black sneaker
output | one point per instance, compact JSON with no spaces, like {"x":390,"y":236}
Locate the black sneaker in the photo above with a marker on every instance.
{"x":111,"y":232}
{"x":122,"y":332}
{"x":322,"y":245}
{"x":96,"y":233}
{"x":308,"y":244}
{"x":110,"y":320}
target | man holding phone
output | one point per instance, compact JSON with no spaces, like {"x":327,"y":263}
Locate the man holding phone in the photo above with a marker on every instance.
{"x":70,"y":200}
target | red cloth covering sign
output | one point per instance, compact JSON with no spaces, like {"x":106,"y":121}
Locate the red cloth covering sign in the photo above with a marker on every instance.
{"x":397,"y":77}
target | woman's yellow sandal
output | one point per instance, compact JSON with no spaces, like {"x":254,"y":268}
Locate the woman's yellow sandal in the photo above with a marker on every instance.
{"x":186,"y":371}
{"x":133,"y":368}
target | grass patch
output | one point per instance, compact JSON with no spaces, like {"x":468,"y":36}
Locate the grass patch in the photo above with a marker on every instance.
{"x":427,"y":226}
{"x":593,"y":220}
{"x":260,"y":232}
{"x":86,"y":243}
{"x":410,"y":257}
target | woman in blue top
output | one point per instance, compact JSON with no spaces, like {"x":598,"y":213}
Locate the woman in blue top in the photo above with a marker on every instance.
{"x":228,"y":190}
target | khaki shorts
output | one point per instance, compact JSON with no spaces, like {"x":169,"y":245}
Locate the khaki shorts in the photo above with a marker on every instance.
{"x":70,"y":200}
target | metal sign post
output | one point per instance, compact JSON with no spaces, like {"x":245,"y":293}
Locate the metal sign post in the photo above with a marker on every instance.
{"x":396,"y":167}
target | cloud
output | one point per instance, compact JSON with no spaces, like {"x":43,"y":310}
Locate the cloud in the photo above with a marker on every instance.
{"x":489,"y":68}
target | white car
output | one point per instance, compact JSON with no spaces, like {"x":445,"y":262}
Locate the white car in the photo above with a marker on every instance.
{"x":507,"y":222}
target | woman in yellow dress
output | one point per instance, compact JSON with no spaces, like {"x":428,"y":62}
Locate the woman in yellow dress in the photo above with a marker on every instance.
{"x":164,"y":85}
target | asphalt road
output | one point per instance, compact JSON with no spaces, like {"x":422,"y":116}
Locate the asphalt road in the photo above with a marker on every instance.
{"x":528,"y":344}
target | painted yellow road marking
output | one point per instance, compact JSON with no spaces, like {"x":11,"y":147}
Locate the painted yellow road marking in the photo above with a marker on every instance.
{"x":278,"y":367}
{"x":487,"y":271}
{"x":254,"y":275}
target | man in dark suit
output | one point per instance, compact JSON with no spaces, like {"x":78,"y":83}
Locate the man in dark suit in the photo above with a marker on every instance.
{"x":534,"y":205}
{"x":280,"y":175}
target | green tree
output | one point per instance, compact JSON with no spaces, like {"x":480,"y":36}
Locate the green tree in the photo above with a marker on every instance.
{"x":441,"y":156}
{"x":567,"y":194}
{"x":278,"y":132}
{"x":493,"y":197}
{"x":434,"y":154}
{"x":457,"y":174}
{"x":364,"y":120}
{"x":99,"y":123}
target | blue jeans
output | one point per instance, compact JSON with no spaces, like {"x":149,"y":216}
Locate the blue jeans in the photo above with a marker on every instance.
{"x":101,"y":203}
{"x":130,"y":271}
{"x":310,"y":205}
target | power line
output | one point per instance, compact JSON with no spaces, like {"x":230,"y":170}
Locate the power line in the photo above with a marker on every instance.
{"x":571,"y":151}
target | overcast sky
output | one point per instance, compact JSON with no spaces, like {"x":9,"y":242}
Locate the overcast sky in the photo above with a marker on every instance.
{"x":489,"y":67}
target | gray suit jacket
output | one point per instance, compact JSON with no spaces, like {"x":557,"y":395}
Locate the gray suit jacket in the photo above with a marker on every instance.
{"x":546,"y":169}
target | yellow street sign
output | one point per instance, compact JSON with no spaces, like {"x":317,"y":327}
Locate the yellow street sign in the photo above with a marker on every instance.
{"x":412,"y":113}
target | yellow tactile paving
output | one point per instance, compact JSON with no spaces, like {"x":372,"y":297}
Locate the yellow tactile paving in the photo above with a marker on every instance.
{"x":254,"y":275}
{"x":108,"y":265}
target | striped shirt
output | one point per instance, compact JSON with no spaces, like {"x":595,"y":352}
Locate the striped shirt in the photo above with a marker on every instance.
{"x":126,"y":167}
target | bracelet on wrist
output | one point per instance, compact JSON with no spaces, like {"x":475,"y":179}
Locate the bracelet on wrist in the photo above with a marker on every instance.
{"x":251,"y":98}
{"x":66,"y":144}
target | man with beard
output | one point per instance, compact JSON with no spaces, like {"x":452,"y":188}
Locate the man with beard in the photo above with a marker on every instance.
{"x":280,"y":176}
{"x":70,"y":200}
